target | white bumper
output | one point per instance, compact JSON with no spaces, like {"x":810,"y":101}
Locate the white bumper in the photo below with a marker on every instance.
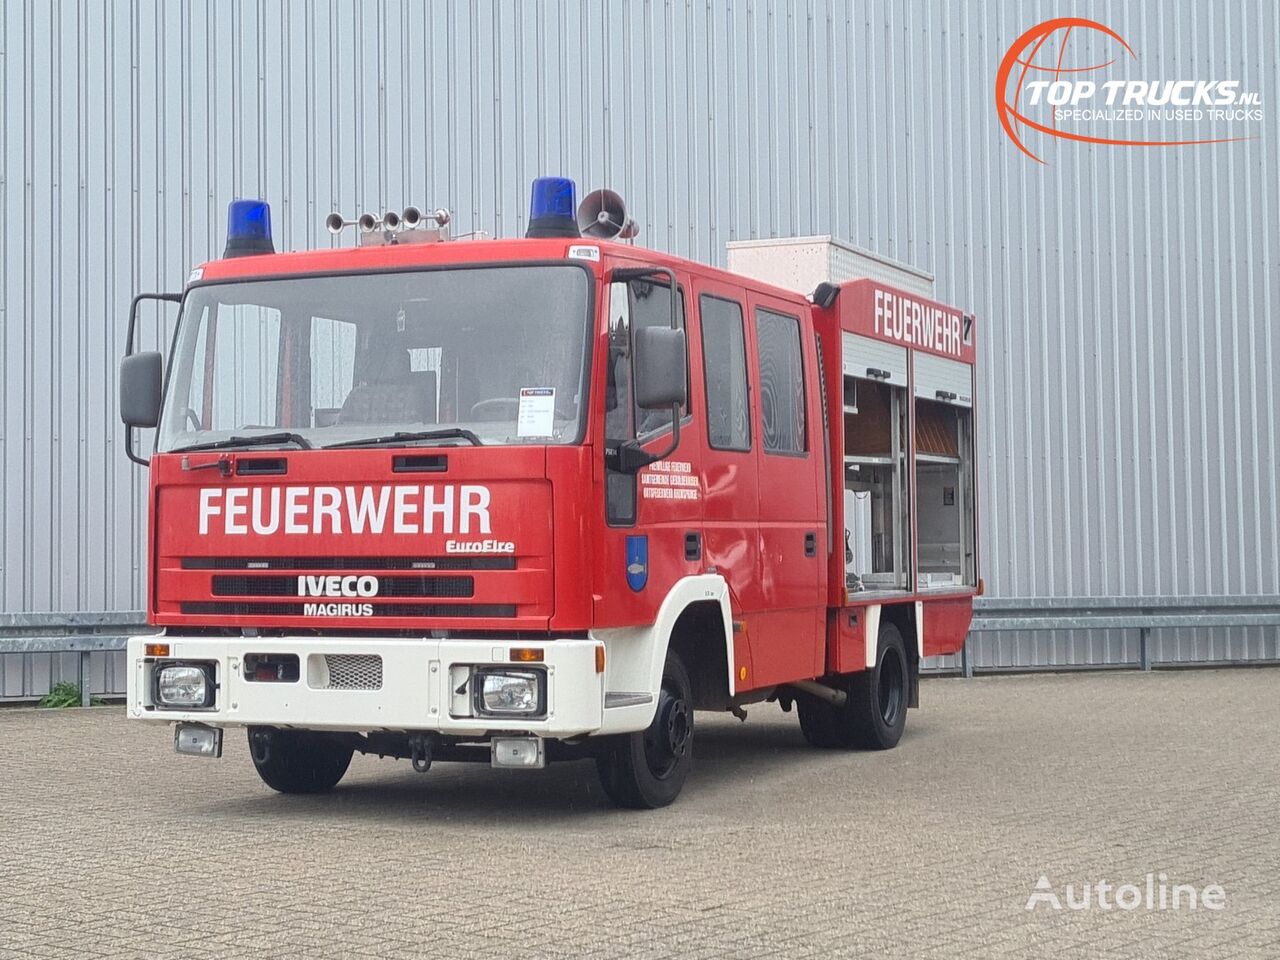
{"x":412,"y":686}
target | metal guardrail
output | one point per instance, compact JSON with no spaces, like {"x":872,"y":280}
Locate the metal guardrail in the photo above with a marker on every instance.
{"x":82,"y":633}
{"x":85,"y":633}
{"x":1144,"y":614}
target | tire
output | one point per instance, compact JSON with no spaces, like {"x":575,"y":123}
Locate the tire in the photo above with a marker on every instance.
{"x":819,"y":722}
{"x":298,"y":761}
{"x":646,"y":770}
{"x":875,"y":712}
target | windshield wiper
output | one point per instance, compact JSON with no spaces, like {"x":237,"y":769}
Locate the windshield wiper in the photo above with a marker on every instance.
{"x":411,"y":436}
{"x":257,"y":440}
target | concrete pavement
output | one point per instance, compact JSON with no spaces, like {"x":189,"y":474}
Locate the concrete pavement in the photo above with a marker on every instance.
{"x":111,"y":845}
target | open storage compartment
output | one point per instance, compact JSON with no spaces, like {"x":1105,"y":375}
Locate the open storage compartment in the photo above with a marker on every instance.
{"x":944,"y":472}
{"x":877,"y":553}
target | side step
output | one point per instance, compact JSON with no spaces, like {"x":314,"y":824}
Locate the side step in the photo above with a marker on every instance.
{"x":620,"y":699}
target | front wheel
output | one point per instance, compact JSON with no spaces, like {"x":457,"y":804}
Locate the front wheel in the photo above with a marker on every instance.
{"x":298,"y":761}
{"x":646,"y":770}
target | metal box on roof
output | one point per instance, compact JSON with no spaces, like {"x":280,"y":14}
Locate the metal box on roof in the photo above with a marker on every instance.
{"x":801,"y":263}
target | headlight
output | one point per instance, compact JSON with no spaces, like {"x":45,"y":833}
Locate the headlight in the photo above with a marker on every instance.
{"x":184,"y":685}
{"x":509,"y":693}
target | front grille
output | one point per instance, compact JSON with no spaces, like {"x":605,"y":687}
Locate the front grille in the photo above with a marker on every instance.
{"x":352,"y":671}
{"x":232,"y":608}
{"x":226,"y":585}
{"x":349,"y":563}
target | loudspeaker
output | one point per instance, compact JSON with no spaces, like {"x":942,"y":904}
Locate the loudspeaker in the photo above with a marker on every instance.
{"x":603,"y":215}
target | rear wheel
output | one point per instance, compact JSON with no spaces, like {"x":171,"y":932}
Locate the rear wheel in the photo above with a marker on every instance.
{"x":298,"y":761}
{"x":646,"y":770}
{"x":874,"y":713}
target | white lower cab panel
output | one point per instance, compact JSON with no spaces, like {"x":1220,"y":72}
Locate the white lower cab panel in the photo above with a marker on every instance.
{"x":371,"y":683}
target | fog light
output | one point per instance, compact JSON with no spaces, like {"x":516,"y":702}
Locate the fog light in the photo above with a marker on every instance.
{"x":197,"y":740}
{"x":184,"y":685}
{"x":524,"y":752}
{"x":509,"y":693}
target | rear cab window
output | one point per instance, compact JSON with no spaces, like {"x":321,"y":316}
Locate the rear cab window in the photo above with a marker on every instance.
{"x":783,"y":421}
{"x":724,"y":360}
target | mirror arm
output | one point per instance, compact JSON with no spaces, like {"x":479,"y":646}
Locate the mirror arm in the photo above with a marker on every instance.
{"x":626,"y":274}
{"x":632,"y":456}
{"x":128,"y":351}
{"x":133,"y":314}
{"x":128,"y":448}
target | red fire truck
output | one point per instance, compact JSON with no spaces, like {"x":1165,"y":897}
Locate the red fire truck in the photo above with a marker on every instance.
{"x":541,"y":499}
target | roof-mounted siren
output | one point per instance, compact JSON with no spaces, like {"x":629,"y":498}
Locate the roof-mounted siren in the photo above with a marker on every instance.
{"x":411,"y":225}
{"x":603,"y":215}
{"x":394,"y":228}
{"x":248,"y":229}
{"x":551,"y":206}
{"x":413,"y":218}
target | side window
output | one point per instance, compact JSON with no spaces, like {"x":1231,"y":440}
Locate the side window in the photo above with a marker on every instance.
{"x":724,"y":355}
{"x":781,"y":383}
{"x":618,"y":403}
{"x":632,"y":306}
{"x":650,"y":307}
{"x":620,"y":488}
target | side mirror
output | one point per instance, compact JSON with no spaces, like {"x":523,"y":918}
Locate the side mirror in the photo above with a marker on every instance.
{"x":659,"y":368}
{"x":141,"y":383}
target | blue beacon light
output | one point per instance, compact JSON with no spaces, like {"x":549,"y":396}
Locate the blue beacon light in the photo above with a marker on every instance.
{"x":552,"y":210}
{"x":248,"y":228}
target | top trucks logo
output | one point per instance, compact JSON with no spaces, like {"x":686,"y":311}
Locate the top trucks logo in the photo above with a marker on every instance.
{"x":1118,"y":112}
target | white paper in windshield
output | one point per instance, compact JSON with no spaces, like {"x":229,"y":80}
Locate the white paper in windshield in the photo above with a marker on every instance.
{"x":537,"y":414}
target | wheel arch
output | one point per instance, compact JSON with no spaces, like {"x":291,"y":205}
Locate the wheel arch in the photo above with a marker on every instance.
{"x":907,"y":618}
{"x":688,"y":617}
{"x":705,"y":649}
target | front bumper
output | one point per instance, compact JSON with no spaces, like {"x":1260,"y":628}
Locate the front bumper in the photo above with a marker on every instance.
{"x":373,"y":683}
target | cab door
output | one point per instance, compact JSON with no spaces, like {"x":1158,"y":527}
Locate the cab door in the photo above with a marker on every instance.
{"x":728,"y":466}
{"x":789,"y":640}
{"x":652,"y":532}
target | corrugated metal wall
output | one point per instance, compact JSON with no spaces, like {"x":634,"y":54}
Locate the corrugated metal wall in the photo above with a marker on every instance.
{"x":26,"y":676}
{"x":1126,"y":297}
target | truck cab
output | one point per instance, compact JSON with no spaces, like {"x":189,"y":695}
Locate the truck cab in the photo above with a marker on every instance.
{"x":500,"y":500}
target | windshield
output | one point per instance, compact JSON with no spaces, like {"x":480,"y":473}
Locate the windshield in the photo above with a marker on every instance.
{"x":495,"y":352}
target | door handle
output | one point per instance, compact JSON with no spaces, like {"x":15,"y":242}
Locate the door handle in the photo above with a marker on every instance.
{"x":810,"y":544}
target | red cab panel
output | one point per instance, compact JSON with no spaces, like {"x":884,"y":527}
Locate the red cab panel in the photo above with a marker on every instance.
{"x":356,"y":539}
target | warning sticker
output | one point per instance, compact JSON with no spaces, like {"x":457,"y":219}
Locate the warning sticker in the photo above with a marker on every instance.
{"x":537,"y":413}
